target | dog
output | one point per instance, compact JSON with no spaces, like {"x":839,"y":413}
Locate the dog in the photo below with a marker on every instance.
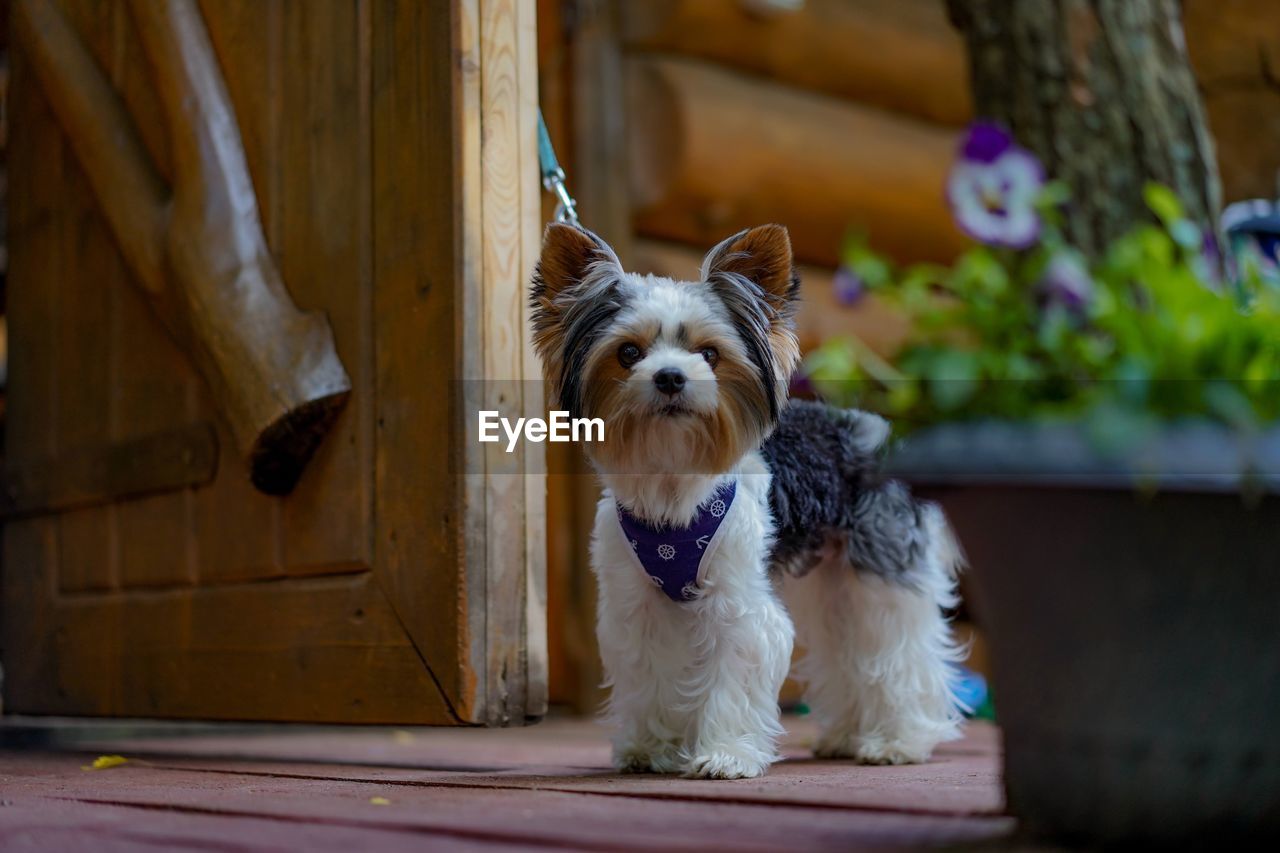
{"x":733,"y":520}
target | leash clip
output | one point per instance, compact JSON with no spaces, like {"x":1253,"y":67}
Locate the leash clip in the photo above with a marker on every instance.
{"x":566,"y":207}
{"x":553,"y":176}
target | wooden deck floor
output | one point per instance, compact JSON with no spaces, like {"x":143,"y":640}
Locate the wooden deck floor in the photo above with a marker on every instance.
{"x":547,"y":786}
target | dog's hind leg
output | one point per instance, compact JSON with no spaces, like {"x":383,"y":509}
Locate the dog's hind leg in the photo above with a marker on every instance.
{"x":878,"y":649}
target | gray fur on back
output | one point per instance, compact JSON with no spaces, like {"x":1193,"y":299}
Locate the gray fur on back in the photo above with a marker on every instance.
{"x":824,"y":462}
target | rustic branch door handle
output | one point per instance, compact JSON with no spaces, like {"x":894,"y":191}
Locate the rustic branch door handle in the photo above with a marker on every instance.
{"x":197,"y":251}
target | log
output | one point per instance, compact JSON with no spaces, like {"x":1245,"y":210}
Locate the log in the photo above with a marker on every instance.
{"x":1235,"y":51}
{"x":713,"y":152}
{"x":1246,"y":125}
{"x":1233,"y":42}
{"x":877,"y":324}
{"x":197,"y":251}
{"x":900,"y":56}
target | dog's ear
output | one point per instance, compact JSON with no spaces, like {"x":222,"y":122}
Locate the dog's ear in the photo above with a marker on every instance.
{"x":752,"y":274}
{"x":571,"y":258}
{"x":569,"y":255}
{"x":762,"y":255}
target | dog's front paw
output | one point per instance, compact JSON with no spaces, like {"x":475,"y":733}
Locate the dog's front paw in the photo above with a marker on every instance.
{"x":723,"y":765}
{"x":637,"y":759}
{"x":632,"y":761}
{"x":872,"y":750}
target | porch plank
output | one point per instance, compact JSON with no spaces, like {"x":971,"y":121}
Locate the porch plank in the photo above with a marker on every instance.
{"x":56,"y":824}
{"x":485,"y":814}
{"x":474,"y":789}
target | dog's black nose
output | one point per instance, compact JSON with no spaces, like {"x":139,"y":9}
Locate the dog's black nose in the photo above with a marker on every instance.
{"x":669,"y":380}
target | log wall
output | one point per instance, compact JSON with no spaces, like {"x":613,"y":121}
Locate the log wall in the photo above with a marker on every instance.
{"x":681,"y":121}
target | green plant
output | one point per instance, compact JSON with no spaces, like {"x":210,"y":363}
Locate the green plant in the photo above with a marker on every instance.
{"x":1148,"y":332}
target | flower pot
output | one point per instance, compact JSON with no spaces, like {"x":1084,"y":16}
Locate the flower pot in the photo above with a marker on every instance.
{"x":1132,"y":604}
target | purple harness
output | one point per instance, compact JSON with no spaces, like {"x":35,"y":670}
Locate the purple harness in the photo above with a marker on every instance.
{"x":673,"y":557}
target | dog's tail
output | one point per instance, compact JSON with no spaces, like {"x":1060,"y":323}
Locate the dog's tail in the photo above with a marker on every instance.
{"x":864,"y":436}
{"x":903,"y":532}
{"x":947,"y":550}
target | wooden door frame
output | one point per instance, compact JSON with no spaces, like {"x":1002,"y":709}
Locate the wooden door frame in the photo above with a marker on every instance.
{"x":502,"y":209}
{"x":446,"y":622}
{"x":485,"y":239}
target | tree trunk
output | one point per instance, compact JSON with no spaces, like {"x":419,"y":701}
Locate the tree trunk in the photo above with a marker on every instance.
{"x":1102,"y":91}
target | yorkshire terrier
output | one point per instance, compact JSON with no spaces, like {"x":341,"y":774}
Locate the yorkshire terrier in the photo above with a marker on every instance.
{"x":729,"y":513}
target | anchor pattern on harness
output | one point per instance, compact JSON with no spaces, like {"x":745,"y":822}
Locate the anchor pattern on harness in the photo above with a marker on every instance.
{"x":673,"y":557}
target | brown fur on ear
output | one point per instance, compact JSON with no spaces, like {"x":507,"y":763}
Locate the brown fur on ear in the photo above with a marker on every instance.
{"x":761,"y":255}
{"x":567,"y":252}
{"x":569,"y":255}
{"x":752,"y":274}
{"x":572,"y":298}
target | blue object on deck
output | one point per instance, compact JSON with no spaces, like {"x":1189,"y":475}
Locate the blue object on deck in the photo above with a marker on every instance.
{"x":971,"y":689}
{"x":1253,"y":236}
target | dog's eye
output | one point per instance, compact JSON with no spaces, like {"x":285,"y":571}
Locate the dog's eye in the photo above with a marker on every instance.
{"x":628,"y":354}
{"x":711,"y":354}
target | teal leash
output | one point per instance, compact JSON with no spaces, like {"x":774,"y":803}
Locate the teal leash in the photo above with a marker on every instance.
{"x":553,"y":176}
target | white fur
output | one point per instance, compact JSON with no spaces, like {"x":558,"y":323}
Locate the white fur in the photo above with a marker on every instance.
{"x":878,"y":655}
{"x":694,"y":685}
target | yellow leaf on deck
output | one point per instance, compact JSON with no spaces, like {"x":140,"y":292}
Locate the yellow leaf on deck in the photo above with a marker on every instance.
{"x":379,"y":801}
{"x":106,"y":762}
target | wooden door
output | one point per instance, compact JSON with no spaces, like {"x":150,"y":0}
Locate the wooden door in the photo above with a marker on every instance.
{"x":391,"y":146}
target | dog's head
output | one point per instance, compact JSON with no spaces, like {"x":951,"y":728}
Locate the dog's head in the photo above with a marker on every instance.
{"x":687,"y":376}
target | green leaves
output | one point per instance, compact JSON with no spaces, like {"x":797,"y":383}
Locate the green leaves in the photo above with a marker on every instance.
{"x":874,"y":270}
{"x":1157,"y":339}
{"x":954,"y":376}
{"x":1163,"y":203}
{"x":1168,"y":209}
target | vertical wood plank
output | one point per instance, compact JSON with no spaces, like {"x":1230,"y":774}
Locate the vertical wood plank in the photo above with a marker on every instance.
{"x":246,"y":36}
{"x":416,"y":279}
{"x":82,"y":341}
{"x":151,"y":393}
{"x":600,"y":181}
{"x":600,"y":131}
{"x":39,"y":162}
{"x":471,"y":362}
{"x":95,"y":539}
{"x":506,"y":585}
{"x":134,"y":80}
{"x":529,"y":236}
{"x":151,"y":379}
{"x":504,"y":491}
{"x":326,"y":519}
{"x":564,"y":643}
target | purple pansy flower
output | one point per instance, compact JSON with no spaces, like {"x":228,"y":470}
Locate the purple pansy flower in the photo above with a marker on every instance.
{"x":993,"y":186}
{"x":1211,"y":265}
{"x":1066,"y":283}
{"x":848,"y":286}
